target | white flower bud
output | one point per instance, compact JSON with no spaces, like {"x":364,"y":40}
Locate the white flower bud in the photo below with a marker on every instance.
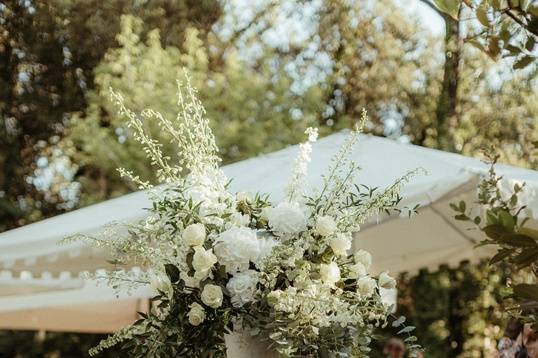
{"x":357,"y":271}
{"x":386,"y":281}
{"x":363,"y":257}
{"x":160,"y":282}
{"x":194,"y":234}
{"x":330,"y":273}
{"x":366,"y":286}
{"x":340,"y":244}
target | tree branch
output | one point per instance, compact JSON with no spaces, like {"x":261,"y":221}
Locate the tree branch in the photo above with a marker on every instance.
{"x":521,"y":23}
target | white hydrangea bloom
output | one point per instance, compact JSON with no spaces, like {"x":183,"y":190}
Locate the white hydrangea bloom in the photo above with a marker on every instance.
{"x":287,"y":218}
{"x":325,"y":225}
{"x":242,"y":287}
{"x":236,"y":247}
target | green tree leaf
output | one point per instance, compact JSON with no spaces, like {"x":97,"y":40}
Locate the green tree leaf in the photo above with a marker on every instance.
{"x":523,"y":62}
{"x":451,"y":7}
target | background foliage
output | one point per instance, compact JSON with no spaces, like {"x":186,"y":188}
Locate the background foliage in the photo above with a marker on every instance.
{"x":265,"y":72}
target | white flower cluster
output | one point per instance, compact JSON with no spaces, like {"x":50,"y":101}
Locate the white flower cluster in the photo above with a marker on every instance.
{"x":220,"y":257}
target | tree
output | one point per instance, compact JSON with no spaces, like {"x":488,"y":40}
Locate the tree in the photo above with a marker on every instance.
{"x":252,"y":110}
{"x":508,"y":28}
{"x":380,"y":61}
{"x":46,"y":67}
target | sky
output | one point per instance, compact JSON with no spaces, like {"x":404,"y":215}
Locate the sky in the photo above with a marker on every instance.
{"x":427,"y":16}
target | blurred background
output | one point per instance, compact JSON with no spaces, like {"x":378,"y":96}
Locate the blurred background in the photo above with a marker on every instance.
{"x":265,"y":70}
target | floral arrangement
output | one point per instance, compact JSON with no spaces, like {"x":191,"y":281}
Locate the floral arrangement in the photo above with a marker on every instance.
{"x":221,"y":261}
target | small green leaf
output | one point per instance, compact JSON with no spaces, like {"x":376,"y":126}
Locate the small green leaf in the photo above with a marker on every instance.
{"x":523,"y":62}
{"x":482,"y":16}
{"x":406,"y":329}
{"x":526,"y":257}
{"x":529,"y":45}
{"x":451,"y":7}
{"x":524,"y":4}
{"x":497,"y":4}
{"x":507,"y":220}
{"x":526,"y":291}
{"x":398,"y":322}
{"x":501,"y":255}
{"x":172,"y":272}
{"x":494,"y":231}
{"x":491,"y":218}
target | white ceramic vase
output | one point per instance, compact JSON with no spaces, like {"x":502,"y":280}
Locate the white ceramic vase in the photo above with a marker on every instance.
{"x":241,"y":345}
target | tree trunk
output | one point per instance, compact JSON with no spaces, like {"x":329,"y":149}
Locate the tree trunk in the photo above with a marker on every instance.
{"x":446,"y":112}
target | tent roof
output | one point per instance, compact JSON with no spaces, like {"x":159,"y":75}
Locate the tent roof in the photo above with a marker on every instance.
{"x":33,"y":264}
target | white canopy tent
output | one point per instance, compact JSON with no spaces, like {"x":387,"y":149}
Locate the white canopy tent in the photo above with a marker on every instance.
{"x":40,"y":287}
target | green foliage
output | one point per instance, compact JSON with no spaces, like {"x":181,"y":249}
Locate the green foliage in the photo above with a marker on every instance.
{"x":508,"y":28}
{"x":240,"y":104}
{"x":503,"y":224}
{"x":455,"y":310}
{"x":48,"y":52}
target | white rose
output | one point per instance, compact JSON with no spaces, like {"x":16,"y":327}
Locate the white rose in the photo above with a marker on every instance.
{"x":236,"y":247}
{"x":340,"y":244}
{"x":366,"y":286}
{"x":242,"y":287}
{"x":386,"y":281}
{"x":196,"y":314}
{"x":363,"y":257}
{"x":287,"y":218}
{"x":212,"y":296}
{"x":330,"y":273}
{"x":244,"y":196}
{"x":357,"y":270}
{"x":203,"y":260}
{"x":325,"y":225}
{"x":194,"y":234}
{"x":160,"y":282}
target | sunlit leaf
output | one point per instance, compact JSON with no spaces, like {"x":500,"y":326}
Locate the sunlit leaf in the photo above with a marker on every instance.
{"x":526,"y":291}
{"x":451,"y":7}
{"x":482,"y":16}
